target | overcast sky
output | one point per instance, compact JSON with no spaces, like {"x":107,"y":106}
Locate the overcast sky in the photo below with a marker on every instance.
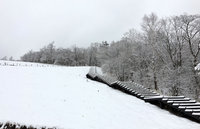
{"x":31,"y":24}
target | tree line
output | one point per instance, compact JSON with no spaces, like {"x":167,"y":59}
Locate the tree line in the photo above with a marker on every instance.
{"x":74,"y":56}
{"x":161,"y":56}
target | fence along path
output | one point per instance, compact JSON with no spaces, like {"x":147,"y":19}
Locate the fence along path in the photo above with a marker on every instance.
{"x":180,"y":105}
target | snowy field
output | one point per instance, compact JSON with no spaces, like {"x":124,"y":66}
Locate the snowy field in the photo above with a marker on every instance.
{"x":65,"y":98}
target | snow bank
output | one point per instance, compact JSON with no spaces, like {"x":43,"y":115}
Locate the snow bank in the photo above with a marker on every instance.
{"x":65,"y":98}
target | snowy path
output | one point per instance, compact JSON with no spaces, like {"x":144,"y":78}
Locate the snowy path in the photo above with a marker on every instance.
{"x":63,"y":97}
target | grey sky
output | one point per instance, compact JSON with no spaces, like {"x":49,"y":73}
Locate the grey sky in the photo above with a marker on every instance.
{"x":31,"y":24}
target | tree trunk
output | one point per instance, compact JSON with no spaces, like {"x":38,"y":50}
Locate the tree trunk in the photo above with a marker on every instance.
{"x":155,"y":81}
{"x":197,"y":81}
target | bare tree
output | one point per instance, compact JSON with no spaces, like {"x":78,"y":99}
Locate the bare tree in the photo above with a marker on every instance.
{"x":151,"y":27}
{"x":190,"y":24}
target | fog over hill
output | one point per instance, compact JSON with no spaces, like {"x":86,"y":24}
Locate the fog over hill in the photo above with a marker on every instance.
{"x":27,"y":24}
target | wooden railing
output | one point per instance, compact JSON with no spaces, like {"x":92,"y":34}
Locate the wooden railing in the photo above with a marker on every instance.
{"x":180,"y":105}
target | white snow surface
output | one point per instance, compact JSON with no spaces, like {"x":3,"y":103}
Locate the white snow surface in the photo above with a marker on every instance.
{"x":65,"y":98}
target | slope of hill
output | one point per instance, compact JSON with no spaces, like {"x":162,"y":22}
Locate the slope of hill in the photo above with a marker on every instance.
{"x":63,"y":97}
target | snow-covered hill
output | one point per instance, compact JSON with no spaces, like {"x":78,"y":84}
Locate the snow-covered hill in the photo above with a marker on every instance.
{"x":65,"y":98}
